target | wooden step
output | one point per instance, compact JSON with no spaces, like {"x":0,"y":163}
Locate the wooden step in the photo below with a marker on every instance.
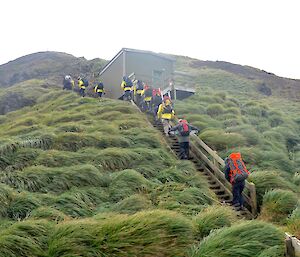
{"x":218,"y":189}
{"x":215,"y":187}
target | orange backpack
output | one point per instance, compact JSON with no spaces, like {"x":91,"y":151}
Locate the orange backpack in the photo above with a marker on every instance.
{"x":238,"y":170}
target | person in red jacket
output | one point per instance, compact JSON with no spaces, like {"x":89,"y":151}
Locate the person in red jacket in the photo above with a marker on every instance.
{"x":236,"y":173}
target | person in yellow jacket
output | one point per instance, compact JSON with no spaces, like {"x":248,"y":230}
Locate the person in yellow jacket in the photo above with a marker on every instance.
{"x":81,"y":86}
{"x":138,"y":91}
{"x":147,"y":94}
{"x":99,"y":89}
{"x":126,"y":86}
{"x":166,"y":113}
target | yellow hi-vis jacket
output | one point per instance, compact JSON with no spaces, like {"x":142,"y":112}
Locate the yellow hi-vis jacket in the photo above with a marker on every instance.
{"x":98,"y":90}
{"x":125,"y":87}
{"x":81,"y":84}
{"x":161,"y":114}
{"x":147,"y":98}
{"x":138,"y":91}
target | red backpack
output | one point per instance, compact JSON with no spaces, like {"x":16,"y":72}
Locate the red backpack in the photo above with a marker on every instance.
{"x":184,"y":128}
{"x":238,"y":170}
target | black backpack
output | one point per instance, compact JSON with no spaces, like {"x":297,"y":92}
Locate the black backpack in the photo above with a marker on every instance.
{"x":128,"y":82}
{"x":148,"y":93}
{"x":85,"y":82}
{"x":139,"y":85}
{"x":100,"y":85}
{"x":167,"y":109}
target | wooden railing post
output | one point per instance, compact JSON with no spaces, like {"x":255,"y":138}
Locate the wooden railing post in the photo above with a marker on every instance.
{"x":292,"y":246}
{"x":252,"y":192}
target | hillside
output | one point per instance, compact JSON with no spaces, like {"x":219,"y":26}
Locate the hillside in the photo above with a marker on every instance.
{"x":222,"y":75}
{"x":83,"y":177}
{"x":47,"y":65}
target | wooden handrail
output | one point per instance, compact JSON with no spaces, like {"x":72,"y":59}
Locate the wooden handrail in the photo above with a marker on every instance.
{"x":208,"y":150}
{"x":196,"y":142}
{"x":251,"y":198}
{"x":214,"y":169}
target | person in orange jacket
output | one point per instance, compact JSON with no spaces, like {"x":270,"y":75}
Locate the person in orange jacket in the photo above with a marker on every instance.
{"x":236,"y":173}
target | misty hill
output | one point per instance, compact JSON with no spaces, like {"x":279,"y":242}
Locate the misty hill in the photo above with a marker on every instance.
{"x":50,"y":65}
{"x":218,"y":75}
{"x":221,"y":75}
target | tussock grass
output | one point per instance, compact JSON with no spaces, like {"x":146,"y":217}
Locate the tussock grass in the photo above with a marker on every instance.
{"x":214,"y":110}
{"x":185,"y":173}
{"x":73,"y":205}
{"x":23,"y":239}
{"x":18,"y":160}
{"x":182,"y":198}
{"x":218,"y":139}
{"x":43,"y":142}
{"x":254,"y":238}
{"x":65,"y":118}
{"x":71,"y":141}
{"x":233,"y":110}
{"x":271,"y":159}
{"x":48,"y":213}
{"x":214,"y":217}
{"x":255,"y":111}
{"x":296,"y":179}
{"x":6,"y":195}
{"x":293,"y":222}
{"x":21,"y":205}
{"x":275,"y":251}
{"x":126,"y":183}
{"x":133,"y":204}
{"x":57,"y":158}
{"x":80,"y":202}
{"x":248,"y":132}
{"x":43,"y":179}
{"x":232,"y":122}
{"x":117,"y":158}
{"x":277,"y":205}
{"x":268,"y":180}
{"x":74,"y":238}
{"x":155,"y":233}
{"x":147,"y":140}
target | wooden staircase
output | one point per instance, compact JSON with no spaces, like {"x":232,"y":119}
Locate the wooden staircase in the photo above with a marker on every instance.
{"x":216,"y":184}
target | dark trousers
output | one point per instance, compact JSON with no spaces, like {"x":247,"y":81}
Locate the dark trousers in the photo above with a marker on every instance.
{"x":184,"y":148}
{"x":138,"y":99}
{"x":99,"y":94}
{"x":67,"y":86}
{"x":237,"y":189}
{"x":82,"y":92}
{"x":146,"y":106}
{"x":155,"y":111}
{"x":127,"y":95}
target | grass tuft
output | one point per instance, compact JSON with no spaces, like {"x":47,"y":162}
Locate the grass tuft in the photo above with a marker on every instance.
{"x":247,"y":239}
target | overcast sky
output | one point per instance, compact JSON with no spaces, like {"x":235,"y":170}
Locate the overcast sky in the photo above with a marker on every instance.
{"x":261,"y":33}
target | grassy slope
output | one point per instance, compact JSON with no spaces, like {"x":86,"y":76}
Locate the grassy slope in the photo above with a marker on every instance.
{"x":85,"y":161}
{"x":96,"y":173}
{"x":234,"y":116}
